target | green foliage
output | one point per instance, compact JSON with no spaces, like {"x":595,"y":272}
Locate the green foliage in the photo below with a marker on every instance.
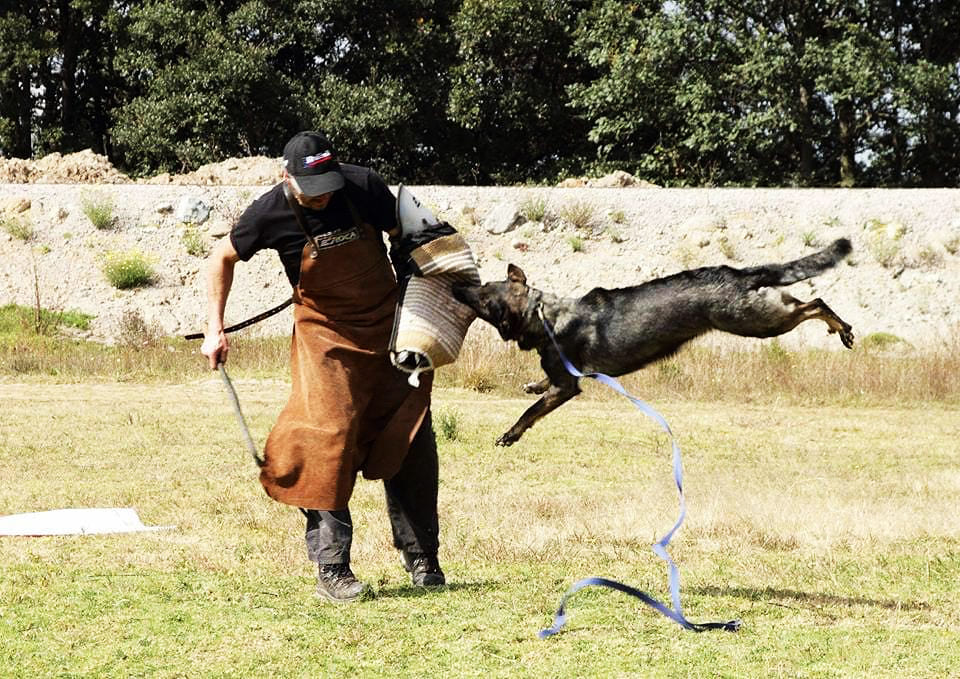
{"x":575,"y":243}
{"x":509,"y":87}
{"x":124,"y":270}
{"x":99,"y":211}
{"x":833,"y":93}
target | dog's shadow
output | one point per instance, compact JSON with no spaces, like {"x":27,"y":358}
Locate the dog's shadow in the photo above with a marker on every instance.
{"x":411,"y":592}
{"x":807,"y":599}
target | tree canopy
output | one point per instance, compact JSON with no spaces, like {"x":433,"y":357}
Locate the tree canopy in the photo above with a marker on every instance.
{"x":682,"y":93}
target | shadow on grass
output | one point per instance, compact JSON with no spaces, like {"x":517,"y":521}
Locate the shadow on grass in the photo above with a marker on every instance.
{"x":807,"y":598}
{"x":410,"y":592}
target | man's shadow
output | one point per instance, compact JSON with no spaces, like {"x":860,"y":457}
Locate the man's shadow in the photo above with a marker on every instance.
{"x":411,"y":592}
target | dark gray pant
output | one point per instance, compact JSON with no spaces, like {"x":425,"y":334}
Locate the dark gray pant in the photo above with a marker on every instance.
{"x":411,"y":505}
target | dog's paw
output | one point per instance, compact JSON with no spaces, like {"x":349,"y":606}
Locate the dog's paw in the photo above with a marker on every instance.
{"x":507,"y":439}
{"x":847,"y":338}
{"x":534,"y":388}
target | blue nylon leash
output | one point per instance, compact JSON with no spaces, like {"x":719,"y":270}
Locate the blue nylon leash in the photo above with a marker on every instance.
{"x":660,"y":547}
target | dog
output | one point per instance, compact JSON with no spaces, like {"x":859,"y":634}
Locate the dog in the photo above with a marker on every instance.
{"x":620,"y":331}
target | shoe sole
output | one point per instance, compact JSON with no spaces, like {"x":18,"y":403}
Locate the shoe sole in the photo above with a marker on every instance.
{"x":364,"y":594}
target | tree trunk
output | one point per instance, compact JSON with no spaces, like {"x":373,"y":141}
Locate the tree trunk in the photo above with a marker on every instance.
{"x":846,"y":124}
{"x":67,"y":41}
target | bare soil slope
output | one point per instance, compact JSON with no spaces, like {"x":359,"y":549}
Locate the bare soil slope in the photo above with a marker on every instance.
{"x":903,"y":278}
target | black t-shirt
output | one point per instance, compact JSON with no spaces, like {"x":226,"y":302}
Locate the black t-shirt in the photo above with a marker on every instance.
{"x":269,"y":222}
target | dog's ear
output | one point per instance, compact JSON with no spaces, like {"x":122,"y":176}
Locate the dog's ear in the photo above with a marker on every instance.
{"x":515,"y":274}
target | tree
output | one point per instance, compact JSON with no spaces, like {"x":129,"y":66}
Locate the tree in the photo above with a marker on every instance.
{"x":201,"y":84}
{"x":918,"y":140}
{"x":55,"y":76}
{"x":753,"y":91}
{"x":375,"y":80}
{"x":509,"y":87}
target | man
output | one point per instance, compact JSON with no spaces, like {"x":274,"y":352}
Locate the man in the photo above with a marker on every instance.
{"x":349,"y":410}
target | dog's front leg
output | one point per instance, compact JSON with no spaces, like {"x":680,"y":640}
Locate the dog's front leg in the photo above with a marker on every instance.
{"x":537,"y":387}
{"x":555,"y":397}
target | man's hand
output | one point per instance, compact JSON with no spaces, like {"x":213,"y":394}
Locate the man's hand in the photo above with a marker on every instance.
{"x":215,"y":347}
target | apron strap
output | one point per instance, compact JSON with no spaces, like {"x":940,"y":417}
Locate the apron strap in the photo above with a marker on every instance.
{"x":301,"y":220}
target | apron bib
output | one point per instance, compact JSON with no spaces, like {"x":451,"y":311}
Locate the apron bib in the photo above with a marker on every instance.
{"x":349,"y":410}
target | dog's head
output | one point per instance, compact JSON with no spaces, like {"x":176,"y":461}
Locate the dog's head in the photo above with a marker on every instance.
{"x":503,"y":304}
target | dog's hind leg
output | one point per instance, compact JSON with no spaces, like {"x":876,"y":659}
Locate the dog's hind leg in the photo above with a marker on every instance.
{"x":817,"y":309}
{"x":554,"y":397}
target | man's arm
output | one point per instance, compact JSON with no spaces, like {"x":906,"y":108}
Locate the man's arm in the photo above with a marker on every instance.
{"x":220,"y":265}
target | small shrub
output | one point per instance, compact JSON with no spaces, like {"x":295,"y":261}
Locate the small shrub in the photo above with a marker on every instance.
{"x":448,"y":424}
{"x":776,"y":353}
{"x":136,"y":333}
{"x":534,"y":209}
{"x":194,"y":242}
{"x":618,"y":217}
{"x":727,"y":248}
{"x":99,"y":212}
{"x":809,"y":239}
{"x":21,"y":229}
{"x":929,"y":256}
{"x":615,"y":235}
{"x":126,"y":270}
{"x":952,"y":245}
{"x":479,"y":380}
{"x":576,"y":243}
{"x":883,"y":241}
{"x":580,"y":215}
{"x":880,"y":341}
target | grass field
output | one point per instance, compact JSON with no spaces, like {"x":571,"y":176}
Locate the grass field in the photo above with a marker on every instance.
{"x":831,"y":530}
{"x":822,"y":492}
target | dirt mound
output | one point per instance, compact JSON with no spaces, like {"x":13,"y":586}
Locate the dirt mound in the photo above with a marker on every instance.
{"x":253,"y":171}
{"x":618,"y":179}
{"x":82,"y":167}
{"x":87,"y":167}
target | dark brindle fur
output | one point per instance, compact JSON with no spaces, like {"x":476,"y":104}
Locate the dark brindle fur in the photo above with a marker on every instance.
{"x":619,"y":331}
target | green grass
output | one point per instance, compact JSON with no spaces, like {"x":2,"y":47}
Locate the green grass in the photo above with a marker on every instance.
{"x":20,"y":322}
{"x":824,"y":529}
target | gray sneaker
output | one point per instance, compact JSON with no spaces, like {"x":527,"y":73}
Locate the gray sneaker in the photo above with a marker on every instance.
{"x":336,"y":582}
{"x":424,"y":569}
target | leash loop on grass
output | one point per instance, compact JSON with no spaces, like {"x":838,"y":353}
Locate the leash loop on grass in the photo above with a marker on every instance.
{"x":660,"y":547}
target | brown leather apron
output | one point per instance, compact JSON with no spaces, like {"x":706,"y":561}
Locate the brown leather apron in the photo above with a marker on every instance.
{"x":350,"y":410}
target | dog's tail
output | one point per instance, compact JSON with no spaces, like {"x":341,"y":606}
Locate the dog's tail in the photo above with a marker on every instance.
{"x":803,"y":268}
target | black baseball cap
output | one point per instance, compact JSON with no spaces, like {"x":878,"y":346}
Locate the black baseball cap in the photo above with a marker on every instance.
{"x":309,"y":158}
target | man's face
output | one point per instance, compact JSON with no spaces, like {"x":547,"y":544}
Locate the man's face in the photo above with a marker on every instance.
{"x":313,"y":202}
